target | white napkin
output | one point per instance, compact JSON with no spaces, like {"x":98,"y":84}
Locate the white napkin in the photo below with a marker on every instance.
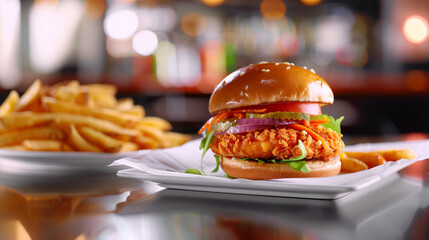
{"x":175,"y":161}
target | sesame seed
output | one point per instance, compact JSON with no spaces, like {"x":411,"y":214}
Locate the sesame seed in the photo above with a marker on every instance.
{"x":304,"y":133}
{"x":293,"y":64}
{"x":241,"y":93}
{"x":241,"y":73}
{"x":276,"y":63}
{"x":265,"y":70}
{"x":263,"y":62}
{"x":286,"y":63}
{"x":288,"y":67}
{"x":319,"y":142}
{"x":246,"y":87}
{"x":312,"y":70}
{"x":304,"y":67}
{"x":245,"y":94}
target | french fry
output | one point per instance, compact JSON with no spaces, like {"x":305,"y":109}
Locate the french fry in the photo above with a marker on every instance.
{"x":17,"y":136}
{"x":28,"y":119}
{"x":111,"y":115}
{"x":349,"y":164}
{"x":45,"y":145}
{"x":9,"y":104}
{"x":124,"y":104}
{"x":156,"y":122}
{"x":24,"y":119}
{"x":98,"y":124}
{"x":136,"y":111}
{"x":370,"y":158}
{"x":102,"y":95}
{"x":70,"y":92}
{"x":106,"y":142}
{"x":397,"y":154}
{"x":154,"y":133}
{"x":175,"y":139}
{"x":80,"y":143}
{"x":14,"y":147}
{"x":145,"y":142}
{"x":30,"y":96}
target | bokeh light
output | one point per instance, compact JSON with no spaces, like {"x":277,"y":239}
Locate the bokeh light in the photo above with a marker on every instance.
{"x":166,"y":67}
{"x":288,"y":44}
{"x":121,"y":24}
{"x":416,"y":29}
{"x":119,"y":48}
{"x":95,"y":8}
{"x":273,"y":9}
{"x":193,"y":24}
{"x":311,"y":2}
{"x":212,"y":3}
{"x":145,"y":42}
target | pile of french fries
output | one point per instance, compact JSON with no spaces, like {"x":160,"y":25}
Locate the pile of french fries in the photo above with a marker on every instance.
{"x":74,"y":117}
{"x":358,"y":161}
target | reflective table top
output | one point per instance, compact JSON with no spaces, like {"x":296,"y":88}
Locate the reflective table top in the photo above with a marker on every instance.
{"x":104,"y":206}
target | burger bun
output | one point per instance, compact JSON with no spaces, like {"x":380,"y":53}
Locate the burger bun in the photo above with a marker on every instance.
{"x":253,"y":170}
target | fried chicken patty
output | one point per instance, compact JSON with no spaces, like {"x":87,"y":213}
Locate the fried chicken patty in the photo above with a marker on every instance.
{"x":279,"y":143}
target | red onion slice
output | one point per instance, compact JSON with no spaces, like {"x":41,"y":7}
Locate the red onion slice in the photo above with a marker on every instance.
{"x":241,"y":128}
{"x":265,"y":121}
{"x":250,"y":124}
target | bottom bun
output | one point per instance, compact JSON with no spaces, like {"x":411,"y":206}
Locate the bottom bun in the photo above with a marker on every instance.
{"x":253,"y":170}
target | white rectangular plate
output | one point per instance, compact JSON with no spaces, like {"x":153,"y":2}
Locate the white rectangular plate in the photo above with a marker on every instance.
{"x":241,"y":186}
{"x":166,"y":167}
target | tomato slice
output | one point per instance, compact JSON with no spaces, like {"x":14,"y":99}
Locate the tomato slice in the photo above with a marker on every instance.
{"x":301,"y":107}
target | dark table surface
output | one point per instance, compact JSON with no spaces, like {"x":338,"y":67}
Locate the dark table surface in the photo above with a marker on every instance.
{"x":94,"y":205}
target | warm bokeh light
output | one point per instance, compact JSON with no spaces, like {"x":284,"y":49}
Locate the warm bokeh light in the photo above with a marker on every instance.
{"x":145,"y":42}
{"x":119,"y":48}
{"x":417,"y":80}
{"x":194,"y":24}
{"x":311,"y":2}
{"x":213,"y":3}
{"x":10,"y":27}
{"x":121,"y":24}
{"x":416,"y":29}
{"x":42,"y":1}
{"x":52,"y":33}
{"x":273,"y":9}
{"x":95,"y":8}
{"x":288,"y":44}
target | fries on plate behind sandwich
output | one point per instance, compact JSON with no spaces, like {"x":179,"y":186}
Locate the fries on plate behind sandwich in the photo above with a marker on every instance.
{"x":74,"y":117}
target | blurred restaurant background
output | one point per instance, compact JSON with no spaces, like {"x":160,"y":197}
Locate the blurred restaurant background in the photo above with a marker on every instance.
{"x":169,"y":55}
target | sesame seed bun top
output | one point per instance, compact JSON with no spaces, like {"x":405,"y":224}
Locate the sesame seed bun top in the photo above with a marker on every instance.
{"x":269,"y":83}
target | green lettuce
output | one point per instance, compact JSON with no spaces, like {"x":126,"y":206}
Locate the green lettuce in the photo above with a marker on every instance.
{"x":193,"y":171}
{"x":332,"y":124}
{"x":294,"y":163}
{"x":205,"y":146}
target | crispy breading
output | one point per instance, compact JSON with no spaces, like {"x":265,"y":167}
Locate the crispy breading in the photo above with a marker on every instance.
{"x":278,"y":143}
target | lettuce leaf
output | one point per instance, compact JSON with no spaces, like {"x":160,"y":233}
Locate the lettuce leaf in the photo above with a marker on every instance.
{"x":333,"y":124}
{"x":294,"y":163}
{"x":217,"y":163}
{"x":205,"y":146}
{"x":193,"y":171}
{"x":300,"y":157}
{"x":299,"y":166}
